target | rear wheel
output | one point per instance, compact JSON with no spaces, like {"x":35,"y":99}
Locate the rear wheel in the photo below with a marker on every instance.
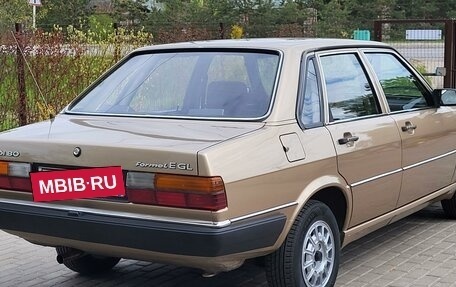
{"x":310,"y":254}
{"x":85,"y":263}
{"x":449,"y":206}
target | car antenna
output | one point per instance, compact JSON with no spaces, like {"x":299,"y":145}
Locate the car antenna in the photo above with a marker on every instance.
{"x":48,"y":108}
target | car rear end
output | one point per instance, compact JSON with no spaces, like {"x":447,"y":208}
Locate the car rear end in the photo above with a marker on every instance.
{"x":155,"y":128}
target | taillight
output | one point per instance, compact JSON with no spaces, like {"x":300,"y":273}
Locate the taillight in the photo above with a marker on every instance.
{"x":15,"y":176}
{"x":206,"y":193}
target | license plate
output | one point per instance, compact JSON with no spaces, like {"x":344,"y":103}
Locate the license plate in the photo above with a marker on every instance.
{"x":51,"y":185}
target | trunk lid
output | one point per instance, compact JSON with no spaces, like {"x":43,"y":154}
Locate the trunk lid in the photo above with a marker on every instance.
{"x":144,"y":144}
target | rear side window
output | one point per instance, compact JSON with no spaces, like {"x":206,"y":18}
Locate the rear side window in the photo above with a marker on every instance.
{"x":310,"y":108}
{"x":402,"y":89}
{"x":350,"y":94}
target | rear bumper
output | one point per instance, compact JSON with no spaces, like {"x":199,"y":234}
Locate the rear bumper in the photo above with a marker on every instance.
{"x":143,"y":234}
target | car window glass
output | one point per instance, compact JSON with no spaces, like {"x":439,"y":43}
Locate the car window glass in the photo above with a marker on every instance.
{"x":108,"y":94}
{"x":402,"y":89}
{"x":348,"y":89}
{"x":265,"y":66}
{"x":311,"y":108}
{"x":157,"y":93}
{"x":207,"y":84}
{"x":228,"y":68}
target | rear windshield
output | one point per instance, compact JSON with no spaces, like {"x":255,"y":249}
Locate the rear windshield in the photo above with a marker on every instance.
{"x":200,"y":84}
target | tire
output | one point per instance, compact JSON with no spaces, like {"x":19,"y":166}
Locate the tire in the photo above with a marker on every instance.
{"x":449,"y":207}
{"x":85,"y":263}
{"x":285,"y":268}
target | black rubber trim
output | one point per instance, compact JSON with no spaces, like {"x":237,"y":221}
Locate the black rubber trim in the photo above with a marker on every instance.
{"x":173,"y":238}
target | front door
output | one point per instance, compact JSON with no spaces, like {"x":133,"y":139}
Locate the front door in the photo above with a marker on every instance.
{"x":428,"y":134}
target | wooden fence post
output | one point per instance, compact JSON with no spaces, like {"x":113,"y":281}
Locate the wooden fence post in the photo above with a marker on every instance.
{"x":116,"y":44}
{"x":22,"y":99}
{"x":221,"y":30}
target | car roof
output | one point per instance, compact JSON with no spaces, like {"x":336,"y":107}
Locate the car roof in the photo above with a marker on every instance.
{"x":270,"y":44}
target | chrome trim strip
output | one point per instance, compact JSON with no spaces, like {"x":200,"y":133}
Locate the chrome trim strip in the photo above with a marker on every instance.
{"x":219,"y":224}
{"x":118,"y":213}
{"x":68,"y":112}
{"x":357,"y":118}
{"x":401,"y":169}
{"x":410,"y":110}
{"x":358,"y":231}
{"x":263,"y":211}
{"x":429,"y":160}
{"x":375,"y":177}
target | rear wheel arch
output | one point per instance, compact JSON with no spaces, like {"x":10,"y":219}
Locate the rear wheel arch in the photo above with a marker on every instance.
{"x":336,"y":200}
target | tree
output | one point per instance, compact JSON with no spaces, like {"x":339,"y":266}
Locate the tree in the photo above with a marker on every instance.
{"x":223,"y":11}
{"x":65,"y":13}
{"x":291,"y":12}
{"x":446,"y":9}
{"x":14,"y":11}
{"x":334,"y":20}
{"x":130,"y":13}
{"x":363,"y":12}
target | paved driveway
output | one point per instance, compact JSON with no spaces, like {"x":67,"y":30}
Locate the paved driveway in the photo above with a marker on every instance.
{"x":419,"y":250}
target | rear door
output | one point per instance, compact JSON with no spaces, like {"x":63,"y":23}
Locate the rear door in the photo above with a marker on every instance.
{"x":428,"y":134}
{"x":366,"y":139}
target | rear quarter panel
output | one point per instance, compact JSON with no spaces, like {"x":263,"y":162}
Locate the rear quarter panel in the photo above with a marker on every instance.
{"x":259,"y":177}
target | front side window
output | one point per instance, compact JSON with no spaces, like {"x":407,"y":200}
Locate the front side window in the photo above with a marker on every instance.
{"x":348,"y":89}
{"x":402,"y":89}
{"x":209,"y":84}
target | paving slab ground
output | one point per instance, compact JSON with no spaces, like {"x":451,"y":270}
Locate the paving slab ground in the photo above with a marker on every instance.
{"x":419,"y":250}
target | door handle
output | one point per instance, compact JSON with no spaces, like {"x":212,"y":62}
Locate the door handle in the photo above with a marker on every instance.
{"x":348,"y":138}
{"x":408,"y":127}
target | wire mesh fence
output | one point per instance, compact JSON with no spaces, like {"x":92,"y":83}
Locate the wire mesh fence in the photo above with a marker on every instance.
{"x":42,"y":72}
{"x":51,"y":68}
{"x":8,"y":84}
{"x":422,"y":43}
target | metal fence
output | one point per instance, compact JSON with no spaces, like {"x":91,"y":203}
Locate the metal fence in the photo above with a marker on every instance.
{"x":42,"y":72}
{"x":427,"y":44}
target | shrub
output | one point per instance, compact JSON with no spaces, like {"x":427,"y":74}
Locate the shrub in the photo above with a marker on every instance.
{"x":237,"y":32}
{"x":59,"y":65}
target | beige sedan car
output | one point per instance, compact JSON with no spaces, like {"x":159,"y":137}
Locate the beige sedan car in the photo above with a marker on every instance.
{"x":283,"y":149}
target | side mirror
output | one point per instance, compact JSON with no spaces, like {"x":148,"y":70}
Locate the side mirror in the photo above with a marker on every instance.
{"x":445,"y":97}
